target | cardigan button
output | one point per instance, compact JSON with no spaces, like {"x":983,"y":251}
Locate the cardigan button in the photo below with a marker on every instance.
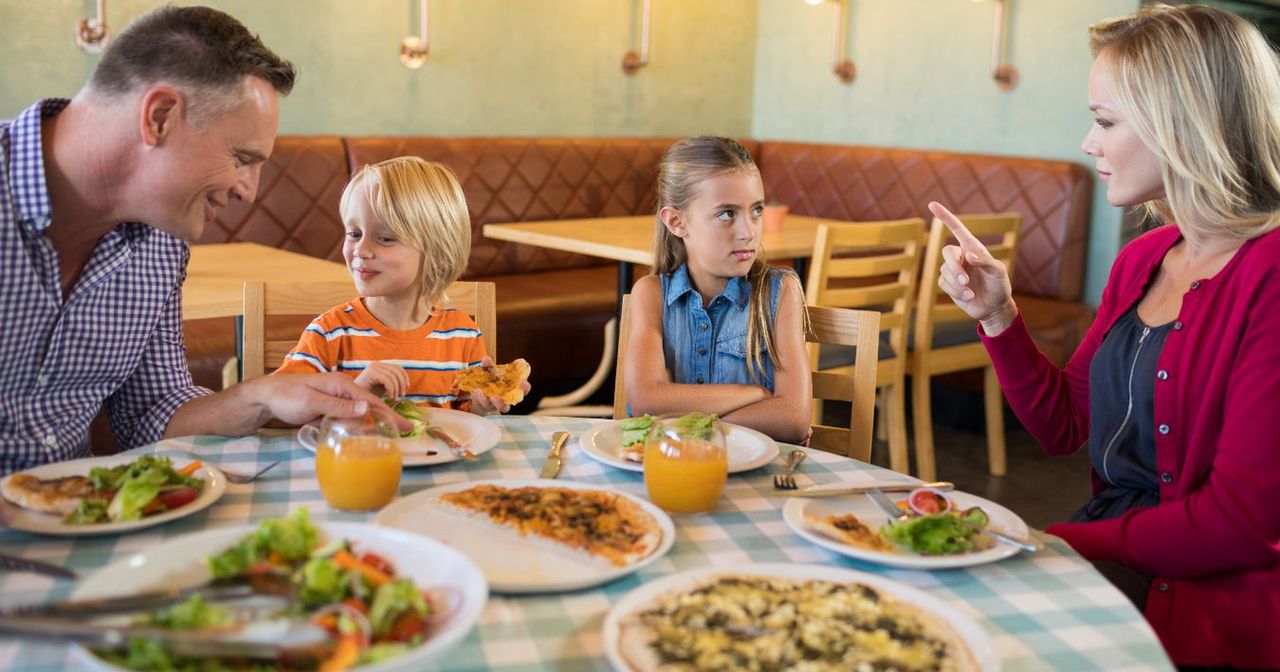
{"x":1177,"y":325}
{"x":1162,"y":587}
{"x":1163,"y":429}
{"x":1162,"y":374}
{"x":1195,"y":284}
{"x":1166,"y":477}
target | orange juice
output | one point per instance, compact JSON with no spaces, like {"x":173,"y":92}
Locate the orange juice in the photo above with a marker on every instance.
{"x":361,"y":474}
{"x":685,"y":476}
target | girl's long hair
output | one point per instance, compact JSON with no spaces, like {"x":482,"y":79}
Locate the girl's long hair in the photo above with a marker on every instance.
{"x":683,"y":168}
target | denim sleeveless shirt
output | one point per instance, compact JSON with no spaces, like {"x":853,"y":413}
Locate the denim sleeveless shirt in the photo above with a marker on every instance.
{"x":709,"y":345}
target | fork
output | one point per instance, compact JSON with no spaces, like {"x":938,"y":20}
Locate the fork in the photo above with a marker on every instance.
{"x":238,"y":478}
{"x":785,"y":480}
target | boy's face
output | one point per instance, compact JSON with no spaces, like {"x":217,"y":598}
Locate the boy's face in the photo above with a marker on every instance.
{"x":381,"y":265}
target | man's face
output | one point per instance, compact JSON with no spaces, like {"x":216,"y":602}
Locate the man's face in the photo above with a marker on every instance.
{"x":201,"y":167}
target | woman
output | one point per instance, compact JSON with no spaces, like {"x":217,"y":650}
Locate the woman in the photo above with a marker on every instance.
{"x":1176,"y":388}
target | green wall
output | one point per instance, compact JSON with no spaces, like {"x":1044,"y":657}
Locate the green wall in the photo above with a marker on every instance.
{"x":755,"y":68}
{"x":923,"y":81}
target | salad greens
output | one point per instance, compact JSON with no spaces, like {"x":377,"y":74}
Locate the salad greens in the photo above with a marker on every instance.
{"x":938,"y":534}
{"x":290,"y":538}
{"x":392,"y":600}
{"x":693,"y":425}
{"x":635,"y":430}
{"x":190,"y":614}
{"x":126,"y":492}
{"x":412,"y":412}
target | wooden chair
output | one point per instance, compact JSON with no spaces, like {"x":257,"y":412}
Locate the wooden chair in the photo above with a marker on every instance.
{"x":833,"y":326}
{"x":930,"y":355}
{"x":878,"y":269}
{"x":263,"y":300}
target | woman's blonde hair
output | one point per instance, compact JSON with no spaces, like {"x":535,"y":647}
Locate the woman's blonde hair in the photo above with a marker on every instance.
{"x":422,"y":204}
{"x":683,"y":168}
{"x":1202,"y":88}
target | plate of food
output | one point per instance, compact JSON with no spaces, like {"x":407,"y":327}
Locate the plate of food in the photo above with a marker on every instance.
{"x":783,"y":616}
{"x":538,"y":536}
{"x":109,"y":495}
{"x":434,"y":430}
{"x":620,"y":444}
{"x":388,"y":599}
{"x":944,"y":530}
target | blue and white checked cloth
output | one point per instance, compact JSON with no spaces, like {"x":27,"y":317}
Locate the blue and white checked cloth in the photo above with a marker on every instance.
{"x":1047,"y":611}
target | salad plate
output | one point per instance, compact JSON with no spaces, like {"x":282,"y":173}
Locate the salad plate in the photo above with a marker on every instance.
{"x":747,"y":448}
{"x":215,"y":484}
{"x":801,"y":515}
{"x":186,"y":561}
{"x":475,"y":433}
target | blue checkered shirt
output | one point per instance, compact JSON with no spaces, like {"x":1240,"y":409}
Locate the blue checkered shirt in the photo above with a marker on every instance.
{"x":117,"y":338}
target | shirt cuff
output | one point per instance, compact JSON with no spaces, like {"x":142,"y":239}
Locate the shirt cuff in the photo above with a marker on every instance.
{"x":152,"y":425}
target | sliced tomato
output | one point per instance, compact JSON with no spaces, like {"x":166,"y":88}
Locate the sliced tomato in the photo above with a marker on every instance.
{"x":176,"y":498}
{"x":405,"y":628}
{"x":379,"y":563}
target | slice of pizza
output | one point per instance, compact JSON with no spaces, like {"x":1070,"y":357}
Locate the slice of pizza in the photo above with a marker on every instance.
{"x":848,"y":529}
{"x":501,"y":381}
{"x":598,"y":523}
{"x":55,"y":495}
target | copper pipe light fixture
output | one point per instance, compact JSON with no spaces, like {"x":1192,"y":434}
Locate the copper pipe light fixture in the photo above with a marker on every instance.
{"x":414,"y":48}
{"x":633,"y":61}
{"x":1004,"y":74}
{"x":843,"y":67}
{"x":91,"y":33}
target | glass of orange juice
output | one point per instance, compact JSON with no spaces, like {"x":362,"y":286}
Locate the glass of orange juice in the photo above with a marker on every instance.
{"x":358,"y":463}
{"x":686,"y":463}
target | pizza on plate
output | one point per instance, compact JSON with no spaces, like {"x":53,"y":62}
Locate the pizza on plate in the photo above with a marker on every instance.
{"x":599,"y":523}
{"x":850,"y":530}
{"x":54,"y":495}
{"x":501,"y":381}
{"x":733,"y":621}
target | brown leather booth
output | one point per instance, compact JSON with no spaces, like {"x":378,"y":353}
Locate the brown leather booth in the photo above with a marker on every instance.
{"x":552,"y":306}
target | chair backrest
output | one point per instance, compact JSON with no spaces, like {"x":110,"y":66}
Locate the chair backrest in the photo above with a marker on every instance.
{"x":619,"y":385}
{"x":264,"y":300}
{"x":860,"y":329}
{"x":878,"y":268}
{"x":998,"y":232}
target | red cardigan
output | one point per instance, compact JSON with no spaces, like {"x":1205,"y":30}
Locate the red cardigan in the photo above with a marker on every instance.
{"x":1213,"y":543}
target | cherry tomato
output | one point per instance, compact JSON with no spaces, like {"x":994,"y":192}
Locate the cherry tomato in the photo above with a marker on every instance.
{"x":176,"y":498}
{"x":379,"y":563}
{"x":407,"y":627}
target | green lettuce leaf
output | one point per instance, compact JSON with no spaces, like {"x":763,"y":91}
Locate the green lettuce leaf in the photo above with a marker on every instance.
{"x":392,"y":600}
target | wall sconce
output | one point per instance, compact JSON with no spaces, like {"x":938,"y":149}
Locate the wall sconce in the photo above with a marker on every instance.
{"x":632,"y":61}
{"x":841,"y":66}
{"x":414,"y":49}
{"x":1005,"y":74}
{"x":91,"y":34}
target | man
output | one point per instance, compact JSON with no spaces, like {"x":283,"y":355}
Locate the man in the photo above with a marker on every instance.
{"x":97,"y":195}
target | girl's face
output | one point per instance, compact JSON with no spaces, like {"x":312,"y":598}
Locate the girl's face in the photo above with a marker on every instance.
{"x":721,"y":225}
{"x":381,"y":265}
{"x":1130,"y":170}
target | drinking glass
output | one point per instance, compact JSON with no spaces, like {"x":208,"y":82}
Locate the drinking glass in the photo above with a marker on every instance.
{"x":358,"y":463}
{"x":685,"y":466}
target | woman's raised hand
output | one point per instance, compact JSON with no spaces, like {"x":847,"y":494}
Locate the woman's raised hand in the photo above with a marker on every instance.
{"x":975,"y":280}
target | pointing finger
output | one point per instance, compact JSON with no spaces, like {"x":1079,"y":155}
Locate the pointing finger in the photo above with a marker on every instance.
{"x":967,"y":240}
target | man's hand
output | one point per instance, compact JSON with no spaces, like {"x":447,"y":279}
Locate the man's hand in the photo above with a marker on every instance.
{"x":300,"y":398}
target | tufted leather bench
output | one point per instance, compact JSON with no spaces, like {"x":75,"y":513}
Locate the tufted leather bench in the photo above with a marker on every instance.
{"x":552,"y":306}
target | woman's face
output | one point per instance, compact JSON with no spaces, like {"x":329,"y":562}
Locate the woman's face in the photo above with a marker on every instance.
{"x":1130,"y":170}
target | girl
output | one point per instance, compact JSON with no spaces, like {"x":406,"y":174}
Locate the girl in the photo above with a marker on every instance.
{"x":1174,"y":389}
{"x":408,"y":237}
{"x":714,"y":328}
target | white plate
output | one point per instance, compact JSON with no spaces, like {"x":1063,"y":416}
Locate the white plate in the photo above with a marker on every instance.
{"x":511,"y":563}
{"x":472,"y":431}
{"x":974,"y":636}
{"x":180,"y":562}
{"x":1002,"y":520}
{"x":51,"y":524}
{"x":748,"y":449}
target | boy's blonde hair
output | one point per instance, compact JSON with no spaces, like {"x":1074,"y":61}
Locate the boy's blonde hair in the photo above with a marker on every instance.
{"x":1202,"y":89}
{"x":684,"y":166}
{"x":421,"y":203}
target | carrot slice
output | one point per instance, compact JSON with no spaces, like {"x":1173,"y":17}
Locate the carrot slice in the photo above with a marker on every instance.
{"x":346,"y":655}
{"x":190,"y":468}
{"x":348,"y":562}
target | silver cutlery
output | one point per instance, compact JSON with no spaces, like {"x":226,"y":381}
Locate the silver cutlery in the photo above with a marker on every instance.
{"x":895,"y":514}
{"x":239,"y":478}
{"x":237,"y":587}
{"x":551,"y":467}
{"x":458,"y":449}
{"x":786,"y":480}
{"x":20,"y":564}
{"x":827,"y":491}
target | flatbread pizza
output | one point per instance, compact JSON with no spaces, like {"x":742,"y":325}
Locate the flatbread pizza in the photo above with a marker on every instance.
{"x":597,"y":523}
{"x":500,"y":381}
{"x":735,"y":621}
{"x":60,"y":496}
{"x":850,"y":530}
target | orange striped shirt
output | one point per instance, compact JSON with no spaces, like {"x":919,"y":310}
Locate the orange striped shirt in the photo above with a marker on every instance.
{"x":349,"y":337}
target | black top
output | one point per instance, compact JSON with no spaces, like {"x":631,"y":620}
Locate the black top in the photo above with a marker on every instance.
{"x":1122,"y":445}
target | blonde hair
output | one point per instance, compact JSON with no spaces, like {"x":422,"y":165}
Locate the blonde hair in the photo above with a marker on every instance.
{"x":1202,"y":88}
{"x":683,"y":168}
{"x":421,"y":203}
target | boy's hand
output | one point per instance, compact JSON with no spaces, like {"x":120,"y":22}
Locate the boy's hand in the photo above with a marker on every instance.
{"x":384,"y":379}
{"x":483,"y":404}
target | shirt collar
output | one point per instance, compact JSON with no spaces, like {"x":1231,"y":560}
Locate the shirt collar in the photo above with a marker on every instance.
{"x":738,"y":290}
{"x":26,"y":163}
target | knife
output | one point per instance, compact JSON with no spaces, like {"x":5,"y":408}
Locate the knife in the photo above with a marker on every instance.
{"x":552,"y":466}
{"x":297,"y":641}
{"x":895,"y":514}
{"x":18,"y":564}
{"x":821,"y":491}
{"x":457,"y":448}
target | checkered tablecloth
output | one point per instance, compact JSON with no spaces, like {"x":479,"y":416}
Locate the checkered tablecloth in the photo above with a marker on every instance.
{"x":1049,"y":610}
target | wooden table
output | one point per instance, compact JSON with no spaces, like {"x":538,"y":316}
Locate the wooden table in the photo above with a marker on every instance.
{"x":628,"y":241}
{"x":217,"y":273}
